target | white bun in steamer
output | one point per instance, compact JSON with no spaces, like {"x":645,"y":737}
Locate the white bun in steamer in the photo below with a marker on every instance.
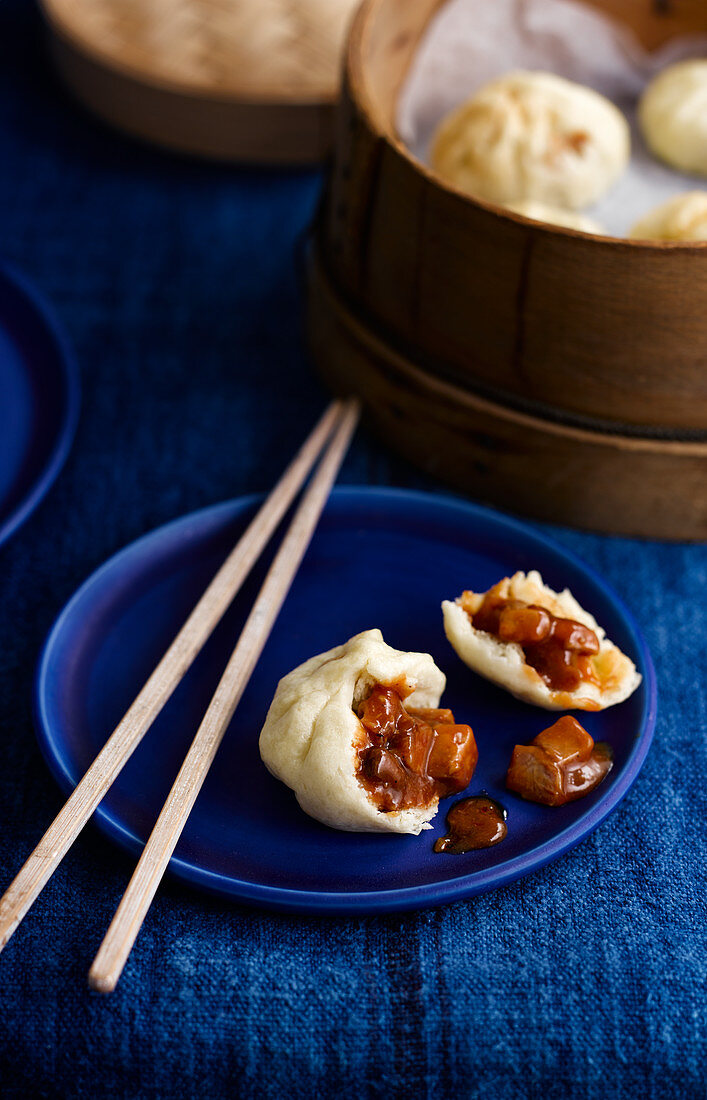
{"x":555,"y":215}
{"x":682,"y":218}
{"x":533,"y":135}
{"x":673,"y":116}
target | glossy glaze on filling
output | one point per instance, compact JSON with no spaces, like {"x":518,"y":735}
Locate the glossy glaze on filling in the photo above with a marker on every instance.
{"x":560,"y":650}
{"x":561,"y":765}
{"x":409,"y":757}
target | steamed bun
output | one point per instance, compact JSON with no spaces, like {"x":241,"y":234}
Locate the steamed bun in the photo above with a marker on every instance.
{"x":682,"y":218}
{"x":555,"y":215}
{"x":504,"y":662}
{"x":312,"y":734}
{"x":533,"y":135}
{"x":673,"y":116}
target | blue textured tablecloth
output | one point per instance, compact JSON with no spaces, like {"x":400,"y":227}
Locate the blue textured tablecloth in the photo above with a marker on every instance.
{"x":178,"y":286}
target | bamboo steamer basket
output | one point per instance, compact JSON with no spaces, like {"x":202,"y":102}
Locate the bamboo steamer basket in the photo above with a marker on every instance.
{"x":549,"y":371}
{"x":240,"y":80}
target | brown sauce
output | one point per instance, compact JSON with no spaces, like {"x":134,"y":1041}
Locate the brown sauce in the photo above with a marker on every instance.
{"x":473,"y":823}
{"x":561,"y":765}
{"x":409,"y":757}
{"x":560,"y":650}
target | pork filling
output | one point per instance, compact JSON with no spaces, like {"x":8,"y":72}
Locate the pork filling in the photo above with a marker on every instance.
{"x":560,"y":650}
{"x":561,"y":765}
{"x":408,"y":757}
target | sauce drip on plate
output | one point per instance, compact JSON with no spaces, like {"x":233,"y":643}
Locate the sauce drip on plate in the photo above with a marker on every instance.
{"x":473,"y":823}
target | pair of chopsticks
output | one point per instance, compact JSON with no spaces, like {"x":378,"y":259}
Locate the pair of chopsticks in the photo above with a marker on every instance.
{"x":333,"y":433}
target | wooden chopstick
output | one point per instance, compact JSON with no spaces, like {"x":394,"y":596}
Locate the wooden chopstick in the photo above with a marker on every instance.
{"x":130,"y":914}
{"x":200,"y":624}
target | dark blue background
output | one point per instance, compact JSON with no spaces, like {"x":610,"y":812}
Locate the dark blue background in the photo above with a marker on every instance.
{"x":178,"y":285}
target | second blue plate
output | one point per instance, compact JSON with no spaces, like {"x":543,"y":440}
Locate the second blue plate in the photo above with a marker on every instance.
{"x":379,"y":558}
{"x":39,"y":400}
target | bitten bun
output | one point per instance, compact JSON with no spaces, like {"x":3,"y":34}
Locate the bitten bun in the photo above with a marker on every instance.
{"x":504,"y":662}
{"x":682,"y":218}
{"x":533,"y":135}
{"x":312,"y":733}
{"x":673,"y":116}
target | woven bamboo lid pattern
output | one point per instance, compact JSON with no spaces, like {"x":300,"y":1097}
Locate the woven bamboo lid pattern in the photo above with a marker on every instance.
{"x":169,"y":70}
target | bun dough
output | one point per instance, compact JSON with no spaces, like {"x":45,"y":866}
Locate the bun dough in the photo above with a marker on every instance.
{"x":533,"y":135}
{"x":504,"y":662}
{"x":682,"y":218}
{"x":673,"y":116}
{"x":555,"y":215}
{"x":311,"y":733}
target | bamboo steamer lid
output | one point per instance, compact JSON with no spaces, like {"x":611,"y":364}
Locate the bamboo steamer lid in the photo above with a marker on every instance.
{"x":245,"y":80}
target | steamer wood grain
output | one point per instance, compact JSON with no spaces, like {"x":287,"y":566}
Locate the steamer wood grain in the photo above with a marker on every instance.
{"x":525,"y":463}
{"x":598,"y":327}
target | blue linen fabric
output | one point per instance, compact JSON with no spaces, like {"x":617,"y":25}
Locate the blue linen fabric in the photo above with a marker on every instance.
{"x":178,"y":285}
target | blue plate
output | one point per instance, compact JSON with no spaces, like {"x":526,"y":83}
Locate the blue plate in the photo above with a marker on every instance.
{"x":380,"y":558}
{"x":39,"y":400}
